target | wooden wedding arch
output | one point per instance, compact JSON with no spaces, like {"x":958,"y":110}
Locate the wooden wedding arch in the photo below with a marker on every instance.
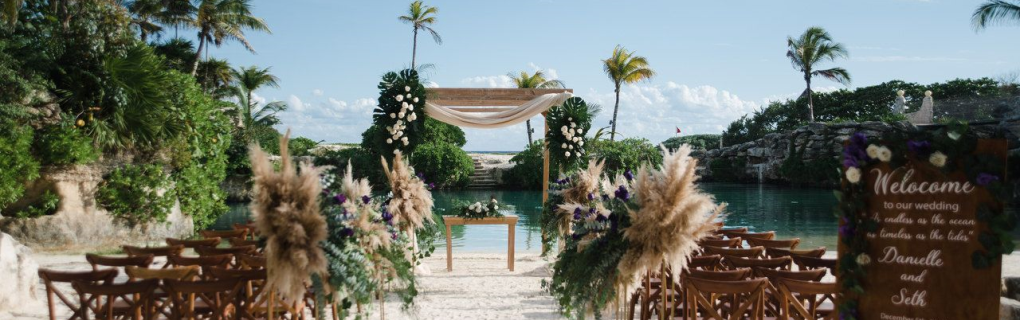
{"x":491,"y":100}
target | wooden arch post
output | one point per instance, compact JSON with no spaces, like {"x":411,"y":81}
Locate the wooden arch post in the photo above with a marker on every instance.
{"x":496,"y":100}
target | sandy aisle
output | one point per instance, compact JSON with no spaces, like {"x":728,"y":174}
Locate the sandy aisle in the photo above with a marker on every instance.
{"x":480,"y":287}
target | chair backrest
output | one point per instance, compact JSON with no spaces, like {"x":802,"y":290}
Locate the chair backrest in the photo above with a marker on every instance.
{"x":175,"y":273}
{"x":235,"y":242}
{"x":780,"y":252}
{"x":250,"y":227}
{"x":709,"y":262}
{"x":803,"y":275}
{"x":49,"y":277}
{"x":240,"y":234}
{"x":232,"y":251}
{"x":165,"y":252}
{"x":730,"y":231}
{"x":809,"y":263}
{"x":96,"y":261}
{"x":746,"y":299}
{"x":207,"y":242}
{"x":217,"y":295}
{"x":782,"y":263}
{"x":251,"y":261}
{"x":724,"y":243}
{"x":753,"y":252}
{"x":133,"y":300}
{"x":203,"y":262}
{"x":784,"y":243}
{"x":795,"y":293}
{"x":722,"y":275}
{"x":768,"y":235}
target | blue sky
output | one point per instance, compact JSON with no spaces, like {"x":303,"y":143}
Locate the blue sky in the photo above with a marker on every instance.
{"x":716,"y":60}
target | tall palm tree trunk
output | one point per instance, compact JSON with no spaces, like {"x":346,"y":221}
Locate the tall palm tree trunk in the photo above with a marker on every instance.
{"x":414,"y":48}
{"x":528,"y":124}
{"x":198,"y":55}
{"x":616,"y":109}
{"x":810,"y":100}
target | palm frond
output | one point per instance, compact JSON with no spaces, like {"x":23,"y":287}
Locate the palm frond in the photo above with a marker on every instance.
{"x":835,"y":74}
{"x":995,"y":11}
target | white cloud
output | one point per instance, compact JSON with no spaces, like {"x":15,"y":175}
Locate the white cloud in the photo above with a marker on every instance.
{"x":330,"y":119}
{"x":296,"y":104}
{"x":500,"y":81}
{"x":654,"y":111}
{"x":317,"y":92}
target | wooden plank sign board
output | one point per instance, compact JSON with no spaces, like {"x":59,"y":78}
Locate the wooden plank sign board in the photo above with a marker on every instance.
{"x":921,"y":265}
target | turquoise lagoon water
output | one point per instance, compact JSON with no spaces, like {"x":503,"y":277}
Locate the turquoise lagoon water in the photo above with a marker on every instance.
{"x":791,"y":212}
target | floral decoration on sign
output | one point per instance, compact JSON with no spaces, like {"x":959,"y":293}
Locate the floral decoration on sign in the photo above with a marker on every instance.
{"x":948,"y":149}
{"x":567,"y":125}
{"x":401,"y":111}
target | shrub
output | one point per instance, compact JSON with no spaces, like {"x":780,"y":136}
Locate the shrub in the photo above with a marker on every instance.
{"x":444,"y":164}
{"x":366,"y":165}
{"x":438,"y":131}
{"x":46,"y":205}
{"x":697,"y":142}
{"x":137,"y":193}
{"x":63,"y":143}
{"x":527,"y":170}
{"x":819,"y":171}
{"x":301,"y":146}
{"x":16,"y":165}
{"x":627,"y":154}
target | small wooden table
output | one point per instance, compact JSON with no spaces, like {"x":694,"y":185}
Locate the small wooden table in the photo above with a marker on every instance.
{"x":509,"y":221}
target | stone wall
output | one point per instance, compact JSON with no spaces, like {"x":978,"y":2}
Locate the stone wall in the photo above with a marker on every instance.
{"x":79,"y":223}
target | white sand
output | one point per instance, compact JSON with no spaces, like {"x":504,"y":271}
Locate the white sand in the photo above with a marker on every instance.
{"x":480,"y":287}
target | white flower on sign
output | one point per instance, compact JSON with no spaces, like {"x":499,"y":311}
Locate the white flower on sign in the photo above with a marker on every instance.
{"x":853,"y":174}
{"x":872,"y":151}
{"x":863,"y":259}
{"x":884,"y":154}
{"x":938,"y":159}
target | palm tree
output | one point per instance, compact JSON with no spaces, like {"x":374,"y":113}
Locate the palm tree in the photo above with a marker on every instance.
{"x":421,"y":17}
{"x":624,"y":67}
{"x":144,"y":16}
{"x":811,"y":48}
{"x":995,"y":11}
{"x":216,"y":77}
{"x":253,"y":119}
{"x":221,"y":20}
{"x":537,"y":81}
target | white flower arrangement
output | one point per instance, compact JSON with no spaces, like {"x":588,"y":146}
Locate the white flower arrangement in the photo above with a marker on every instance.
{"x":853,"y":175}
{"x":938,"y":159}
{"x":480,"y":210}
{"x":574,"y":137}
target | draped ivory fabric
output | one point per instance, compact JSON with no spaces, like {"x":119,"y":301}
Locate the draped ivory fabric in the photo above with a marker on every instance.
{"x":498,"y":119}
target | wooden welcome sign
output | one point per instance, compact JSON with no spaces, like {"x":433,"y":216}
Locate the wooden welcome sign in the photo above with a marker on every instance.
{"x":922,"y":235}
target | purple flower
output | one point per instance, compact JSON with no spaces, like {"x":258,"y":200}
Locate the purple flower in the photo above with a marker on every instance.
{"x":340,"y":198}
{"x":920,"y":148}
{"x":577,"y":216}
{"x":605,"y":197}
{"x":984,"y":179}
{"x":366,"y":199}
{"x":577,"y":211}
{"x":600,"y":218}
{"x":576,"y":236}
{"x":432,"y":185}
{"x":394,"y":236}
{"x":622,"y":193}
{"x":849,"y":162}
{"x":845,"y":230}
{"x":629,"y":175}
{"x":859,"y":139}
{"x":387,"y":216}
{"x":591,"y":196}
{"x":420,"y":176}
{"x":347,"y":232}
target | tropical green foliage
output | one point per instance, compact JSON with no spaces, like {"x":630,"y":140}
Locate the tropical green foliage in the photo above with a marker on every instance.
{"x":218,"y":21}
{"x":256,"y":121}
{"x":527,"y":170}
{"x":17,"y":162}
{"x":301,"y":146}
{"x":366,"y":164}
{"x":47,"y":204}
{"x":421,"y":17}
{"x":444,"y":164}
{"x":64,"y":143}
{"x":815,"y":46}
{"x":399,"y":116}
{"x":627,"y":154}
{"x":438,"y":131}
{"x":697,"y":141}
{"x":137,"y":193}
{"x":995,"y":12}
{"x":624,"y":67}
{"x":568,"y":125}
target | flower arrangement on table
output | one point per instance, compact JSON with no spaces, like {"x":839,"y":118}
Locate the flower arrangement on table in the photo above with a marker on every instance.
{"x":569,"y":122}
{"x":621,"y":228}
{"x":948,"y":149}
{"x":478,"y":210}
{"x":366,"y":250}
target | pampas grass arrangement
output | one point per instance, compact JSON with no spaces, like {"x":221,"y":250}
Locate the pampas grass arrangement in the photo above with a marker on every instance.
{"x":672,"y":215}
{"x":411,"y":204}
{"x":286,"y":209}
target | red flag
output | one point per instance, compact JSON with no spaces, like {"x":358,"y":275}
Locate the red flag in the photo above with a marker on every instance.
{"x":677,"y":130}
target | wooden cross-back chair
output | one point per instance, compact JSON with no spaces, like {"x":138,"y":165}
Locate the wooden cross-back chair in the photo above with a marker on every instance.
{"x":729,"y":232}
{"x":721,"y":275}
{"x":212,"y":300}
{"x":207,"y":242}
{"x":705,"y":262}
{"x":236,"y":242}
{"x":725,"y":300}
{"x":251,"y":261}
{"x":250,"y":227}
{"x":232,"y":251}
{"x":809,"y":300}
{"x":767,"y":243}
{"x":50,"y":277}
{"x":160,"y":299}
{"x":724,"y":243}
{"x":130,"y":300}
{"x":809,"y":263}
{"x":782,"y":263}
{"x":96,"y":261}
{"x":204,"y":262}
{"x":729,"y":253}
{"x":767,"y":235}
{"x":780,"y":252}
{"x":165,"y":252}
{"x":224,"y":234}
{"x":256,"y":301}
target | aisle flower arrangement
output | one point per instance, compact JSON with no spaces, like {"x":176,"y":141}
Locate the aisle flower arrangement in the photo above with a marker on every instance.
{"x":626,"y":226}
{"x":401,"y":111}
{"x":567,"y":125}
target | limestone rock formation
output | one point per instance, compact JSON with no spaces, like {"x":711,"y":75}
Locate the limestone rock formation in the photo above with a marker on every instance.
{"x":19,"y":278}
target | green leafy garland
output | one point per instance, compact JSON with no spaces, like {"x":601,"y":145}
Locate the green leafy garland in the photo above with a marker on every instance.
{"x":400,"y":113}
{"x":479,"y":210}
{"x":568,"y":124}
{"x":940,"y":148}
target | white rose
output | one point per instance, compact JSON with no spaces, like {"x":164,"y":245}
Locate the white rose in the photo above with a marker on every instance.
{"x":400,"y":133}
{"x":401,"y":115}
{"x":570,"y":147}
{"x":395,"y":151}
{"x":872,"y":151}
{"x":853,"y":174}
{"x":564,"y":146}
{"x":884,"y":154}
{"x":567,"y":154}
{"x":407,"y":88}
{"x":938,"y":159}
{"x":580,"y":143}
{"x":410,"y":107}
{"x":415,"y":99}
{"x":403,"y":105}
{"x":564,"y":129}
{"x":494,"y":201}
{"x":404,"y":139}
{"x":579,"y":131}
{"x":495,"y":207}
{"x":400,"y":98}
{"x":409,"y":96}
{"x":572,"y":132}
{"x":413,"y":117}
{"x":573,"y":125}
{"x":863,"y":259}
{"x":389,"y":141}
{"x":405,"y":142}
{"x":393,"y":115}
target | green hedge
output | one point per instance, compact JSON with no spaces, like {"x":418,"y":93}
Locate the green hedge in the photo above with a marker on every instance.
{"x":527,"y":170}
{"x":64,"y":143}
{"x":366,"y":165}
{"x":444,"y":164}
{"x":132,"y":193}
{"x":627,"y":154}
{"x":18,"y":165}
